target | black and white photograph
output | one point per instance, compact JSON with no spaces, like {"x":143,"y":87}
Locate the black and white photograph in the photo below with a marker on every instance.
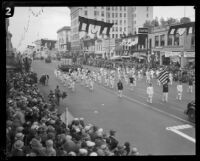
{"x":100,"y":81}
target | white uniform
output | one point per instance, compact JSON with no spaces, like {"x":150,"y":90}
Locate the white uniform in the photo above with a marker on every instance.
{"x":179,"y":91}
{"x":171,"y":78}
{"x":150,"y":92}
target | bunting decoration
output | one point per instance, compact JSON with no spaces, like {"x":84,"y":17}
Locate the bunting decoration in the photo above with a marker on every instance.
{"x":94,"y":28}
{"x":189,"y":28}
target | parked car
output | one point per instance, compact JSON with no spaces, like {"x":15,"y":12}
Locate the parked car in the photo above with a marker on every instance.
{"x":190,"y":111}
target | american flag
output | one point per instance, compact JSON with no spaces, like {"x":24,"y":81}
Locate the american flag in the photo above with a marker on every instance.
{"x":164,"y":76}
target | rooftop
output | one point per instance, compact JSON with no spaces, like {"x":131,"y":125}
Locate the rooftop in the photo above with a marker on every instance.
{"x":64,"y":28}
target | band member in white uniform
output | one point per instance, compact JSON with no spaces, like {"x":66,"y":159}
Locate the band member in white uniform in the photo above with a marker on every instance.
{"x":179,"y":91}
{"x":150,"y":92}
{"x":170,"y":78}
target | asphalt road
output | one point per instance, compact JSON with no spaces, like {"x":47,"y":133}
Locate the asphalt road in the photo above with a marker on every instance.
{"x":157,"y":129}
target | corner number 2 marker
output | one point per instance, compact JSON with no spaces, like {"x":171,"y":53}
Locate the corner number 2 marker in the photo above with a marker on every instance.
{"x":8,"y":11}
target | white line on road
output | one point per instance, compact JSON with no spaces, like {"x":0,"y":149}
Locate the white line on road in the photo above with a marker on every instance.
{"x":182,"y":134}
{"x":152,"y":107}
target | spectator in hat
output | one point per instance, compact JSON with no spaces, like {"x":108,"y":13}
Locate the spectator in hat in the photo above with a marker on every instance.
{"x":134,"y":151}
{"x":50,"y":151}
{"x":71,"y":153}
{"x":83,"y":152}
{"x":112,"y":141}
{"x":93,"y":154}
{"x":37,"y":147}
{"x":18,"y":148}
{"x":127,"y":148}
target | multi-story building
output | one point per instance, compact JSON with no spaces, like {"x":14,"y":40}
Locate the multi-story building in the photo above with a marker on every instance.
{"x":63,"y":38}
{"x":45,"y":47}
{"x":121,"y":16}
{"x":170,"y":48}
{"x":139,"y":16}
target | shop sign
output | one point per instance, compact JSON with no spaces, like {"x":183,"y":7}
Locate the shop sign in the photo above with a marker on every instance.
{"x":189,"y":54}
{"x":143,"y":30}
{"x":172,"y":54}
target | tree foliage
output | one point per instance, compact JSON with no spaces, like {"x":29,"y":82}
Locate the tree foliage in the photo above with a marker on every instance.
{"x":185,"y":20}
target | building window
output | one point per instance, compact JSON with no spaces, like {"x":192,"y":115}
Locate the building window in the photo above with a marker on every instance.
{"x":113,"y":36}
{"x":124,"y":14}
{"x":120,"y":8}
{"x":147,"y":8}
{"x":124,"y":22}
{"x":156,"y":40}
{"x":95,"y":13}
{"x":108,"y":8}
{"x":113,"y":29}
{"x":124,"y":8}
{"x":120,"y":15}
{"x":120,"y":29}
{"x":116,"y":8}
{"x":125,"y":29}
{"x":162,"y":40}
{"x":170,"y":39}
{"x":147,"y":15}
{"x":120,"y":22}
{"x":116,"y":29}
{"x":108,"y":14}
{"x":102,"y":19}
{"x":113,"y":8}
{"x":176,"y":40}
{"x":102,"y":13}
{"x":115,"y":14}
{"x":116,"y":36}
{"x":85,"y":13}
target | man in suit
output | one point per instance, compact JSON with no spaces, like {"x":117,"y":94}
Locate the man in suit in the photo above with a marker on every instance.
{"x":120,"y":88}
{"x":58,"y":95}
{"x":165,"y":92}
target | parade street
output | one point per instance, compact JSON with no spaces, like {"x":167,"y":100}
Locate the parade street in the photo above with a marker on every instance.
{"x":158,"y":128}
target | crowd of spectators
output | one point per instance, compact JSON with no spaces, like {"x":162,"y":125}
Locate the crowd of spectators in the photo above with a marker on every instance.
{"x":34,"y":129}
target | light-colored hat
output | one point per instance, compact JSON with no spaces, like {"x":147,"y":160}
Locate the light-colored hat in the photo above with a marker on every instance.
{"x":76,"y":119}
{"x":90,"y":143}
{"x":69,"y":137}
{"x":81,"y":118}
{"x":83,"y":151}
{"x":19,"y":129}
{"x":18,"y":144}
{"x":72,"y":153}
{"x":34,"y":127}
{"x":49,"y":143}
{"x":93,"y":154}
{"x":19,"y":135}
{"x":77,"y":130}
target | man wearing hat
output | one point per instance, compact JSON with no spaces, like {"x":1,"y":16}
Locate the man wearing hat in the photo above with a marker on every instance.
{"x":120,"y":88}
{"x":83,"y":152}
{"x":18,"y":148}
{"x":111,"y":140}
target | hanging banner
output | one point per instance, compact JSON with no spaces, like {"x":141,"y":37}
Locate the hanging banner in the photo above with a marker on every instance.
{"x":94,"y":28}
{"x":180,"y":29}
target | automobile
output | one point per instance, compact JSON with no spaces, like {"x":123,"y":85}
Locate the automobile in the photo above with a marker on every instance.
{"x":190,"y":111}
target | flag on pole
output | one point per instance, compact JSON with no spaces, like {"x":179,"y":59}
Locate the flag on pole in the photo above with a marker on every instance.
{"x":164,"y":76}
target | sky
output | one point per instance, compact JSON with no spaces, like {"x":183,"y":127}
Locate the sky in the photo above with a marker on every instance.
{"x":52,"y":19}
